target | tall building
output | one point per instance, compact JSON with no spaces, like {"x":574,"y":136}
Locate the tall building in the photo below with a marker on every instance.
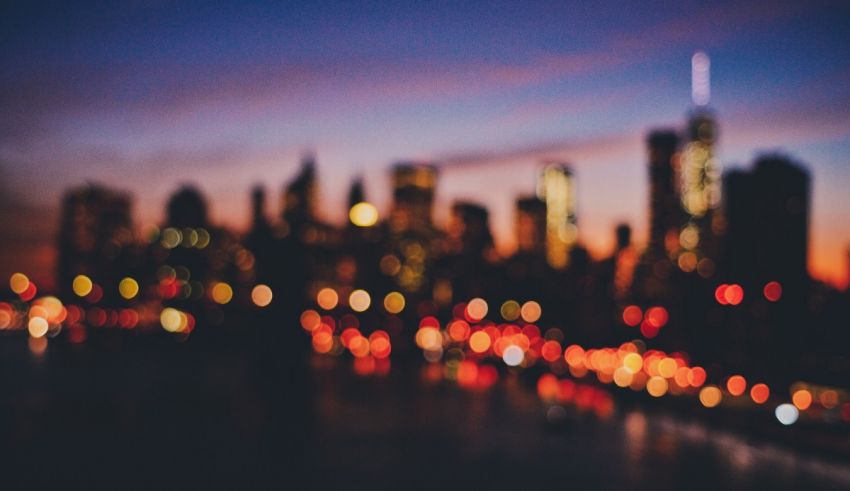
{"x":665,"y":209}
{"x":531,"y":225}
{"x":414,"y":185}
{"x":700,"y":169}
{"x":95,"y":227}
{"x":767,"y":214}
{"x":556,"y":188}
{"x":299,"y":196}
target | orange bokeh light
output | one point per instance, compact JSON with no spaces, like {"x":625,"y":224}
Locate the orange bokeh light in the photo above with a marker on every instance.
{"x":802,"y":399}
{"x":736,"y":385}
{"x":479,"y":342}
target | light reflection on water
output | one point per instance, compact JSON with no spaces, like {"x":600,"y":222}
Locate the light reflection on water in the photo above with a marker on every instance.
{"x":505,"y":428}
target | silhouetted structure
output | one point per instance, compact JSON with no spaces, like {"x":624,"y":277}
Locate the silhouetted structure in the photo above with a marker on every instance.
{"x":413,"y":196}
{"x":767,"y":215}
{"x":464,"y":270}
{"x":94,"y":231}
{"x":531,"y":226}
{"x":665,"y":211}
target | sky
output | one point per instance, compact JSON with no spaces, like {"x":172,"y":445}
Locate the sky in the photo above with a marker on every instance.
{"x":147,"y":95}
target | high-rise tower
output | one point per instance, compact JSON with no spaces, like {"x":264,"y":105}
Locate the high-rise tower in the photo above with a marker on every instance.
{"x":556,"y":187}
{"x":700,"y":170}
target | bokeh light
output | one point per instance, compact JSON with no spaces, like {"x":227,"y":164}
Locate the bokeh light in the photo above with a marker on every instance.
{"x":531,"y":311}
{"x":759,"y":393}
{"x":363,"y":214}
{"x":736,"y":385}
{"x":710,"y":396}
{"x":37,"y":327}
{"x":221,"y":293}
{"x":632,"y":315}
{"x":510,"y":310}
{"x":773,"y":291}
{"x":82,"y":285}
{"x":513,"y":355}
{"x":359,"y":300}
{"x":476,"y":309}
{"x":394,"y":302}
{"x":327,"y":298}
{"x":657,"y":386}
{"x":261,"y":295}
{"x":128,"y":288}
{"x":479,"y":342}
{"x":787,"y":414}
{"x":19,"y":283}
{"x":802,"y":398}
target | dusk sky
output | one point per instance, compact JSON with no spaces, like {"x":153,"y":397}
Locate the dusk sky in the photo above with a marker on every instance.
{"x":148,"y":95}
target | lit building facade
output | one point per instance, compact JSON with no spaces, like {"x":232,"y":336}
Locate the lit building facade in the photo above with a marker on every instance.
{"x":557,"y":189}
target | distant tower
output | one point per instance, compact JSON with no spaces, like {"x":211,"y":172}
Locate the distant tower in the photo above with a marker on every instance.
{"x":187,"y":208}
{"x":414,"y":185}
{"x":665,"y":210}
{"x":556,"y":187}
{"x":299,"y":197}
{"x":258,"y":207}
{"x":700,"y":174}
{"x":471,"y":228}
{"x":356,"y":193}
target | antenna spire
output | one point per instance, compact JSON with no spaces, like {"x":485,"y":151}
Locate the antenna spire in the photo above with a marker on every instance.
{"x":700,"y":78}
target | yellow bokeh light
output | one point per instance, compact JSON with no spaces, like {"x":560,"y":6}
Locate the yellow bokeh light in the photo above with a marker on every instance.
{"x":261,"y":295}
{"x":82,"y":285}
{"x":173,"y":320}
{"x":623,"y":376}
{"x":128,"y":288}
{"x":327,"y":298}
{"x":531,"y":311}
{"x":429,"y":338}
{"x":710,"y":396}
{"x":359,"y":300}
{"x":37,"y":327}
{"x":394,"y":302}
{"x":657,"y":386}
{"x":19,"y":283}
{"x":667,"y":367}
{"x":479,"y":342}
{"x":363,"y":214}
{"x":633,"y":362}
{"x":510,"y":310}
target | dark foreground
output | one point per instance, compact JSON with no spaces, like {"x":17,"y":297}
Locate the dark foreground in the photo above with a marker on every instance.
{"x":155,"y":414}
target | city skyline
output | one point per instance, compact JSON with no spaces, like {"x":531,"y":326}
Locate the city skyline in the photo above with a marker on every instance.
{"x":245,"y":111}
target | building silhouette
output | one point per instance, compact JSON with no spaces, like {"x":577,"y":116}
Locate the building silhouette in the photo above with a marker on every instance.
{"x":94,"y":233}
{"x":665,"y":209}
{"x":414,"y":185}
{"x":767,"y":216}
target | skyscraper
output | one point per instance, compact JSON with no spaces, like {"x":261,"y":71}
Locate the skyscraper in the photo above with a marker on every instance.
{"x":767,"y":213}
{"x":700,"y":170}
{"x":556,"y":187}
{"x":531,"y":225}
{"x":413,"y":196}
{"x":665,"y":210}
